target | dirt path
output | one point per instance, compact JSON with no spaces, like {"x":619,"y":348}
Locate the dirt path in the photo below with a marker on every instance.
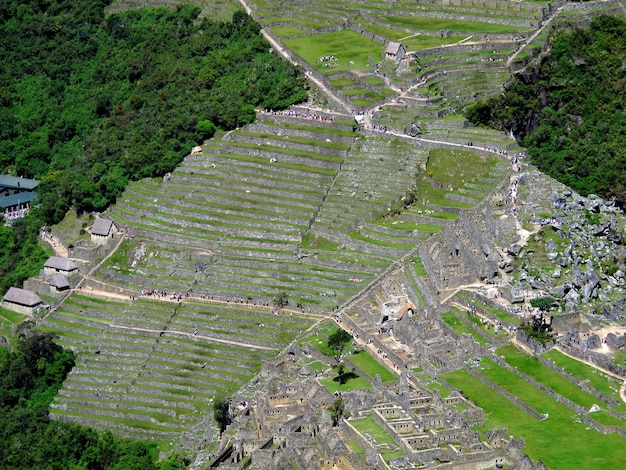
{"x":57,"y":246}
{"x":530,"y":39}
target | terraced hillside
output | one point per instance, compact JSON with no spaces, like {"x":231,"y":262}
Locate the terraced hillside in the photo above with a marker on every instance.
{"x":307,"y":202}
{"x":150,"y":368}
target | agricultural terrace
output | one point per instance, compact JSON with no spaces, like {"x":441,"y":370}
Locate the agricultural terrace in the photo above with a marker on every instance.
{"x":554,"y":432}
{"x":150,"y":368}
{"x":350,"y":49}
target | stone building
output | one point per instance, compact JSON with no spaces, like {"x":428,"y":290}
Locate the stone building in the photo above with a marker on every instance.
{"x":21,"y":301}
{"x":395,"y":51}
{"x":103,"y":230}
{"x":59,"y":265}
{"x":58,"y":283}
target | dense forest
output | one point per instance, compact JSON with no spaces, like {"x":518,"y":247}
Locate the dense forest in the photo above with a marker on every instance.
{"x":569,"y":110}
{"x":30,"y":377}
{"x":89,"y":102}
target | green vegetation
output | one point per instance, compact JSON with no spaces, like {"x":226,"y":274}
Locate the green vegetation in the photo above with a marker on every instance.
{"x":455,"y":323}
{"x":365,"y":362}
{"x":533,"y":368}
{"x":337,"y":342}
{"x":30,"y":378}
{"x":561,"y":441}
{"x":337,"y":410}
{"x":343,"y":375}
{"x":346,"y":46}
{"x":436,"y":24}
{"x":368,"y":425}
{"x":569,"y":109}
{"x":87,"y":101}
{"x":221,"y":412}
{"x":22,"y":253}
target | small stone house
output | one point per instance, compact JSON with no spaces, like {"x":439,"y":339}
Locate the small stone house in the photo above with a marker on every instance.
{"x":21,"y":300}
{"x":59,"y":265}
{"x":103,"y":230}
{"x":58,"y":283}
{"x":395,"y":51}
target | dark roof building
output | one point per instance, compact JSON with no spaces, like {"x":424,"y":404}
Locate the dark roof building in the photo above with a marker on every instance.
{"x":57,"y":264}
{"x":103,"y":230}
{"x":13,"y":183}
{"x":395,"y":51}
{"x":21,"y":300}
{"x":102,"y":227}
{"x":59,"y":282}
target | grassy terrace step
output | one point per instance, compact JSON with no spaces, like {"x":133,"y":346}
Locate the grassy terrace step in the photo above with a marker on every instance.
{"x":227,"y":198}
{"x":330,"y":129}
{"x":309,"y":158}
{"x":106,"y":418}
{"x":532,"y":368}
{"x":247,"y":175}
{"x":595,"y":379}
{"x":262,"y":163}
{"x":193,"y":212}
{"x":249,"y":196}
{"x":176,"y":376}
{"x":271,"y":139}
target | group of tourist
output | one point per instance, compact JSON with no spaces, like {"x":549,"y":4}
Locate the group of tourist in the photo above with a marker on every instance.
{"x":299,"y":114}
{"x":327,"y":61}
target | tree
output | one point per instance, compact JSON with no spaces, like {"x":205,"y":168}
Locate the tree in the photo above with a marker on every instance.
{"x":338,"y":341}
{"x":343,"y":376}
{"x":338,"y":410}
{"x":542,"y":303}
{"x":281,"y":300}
{"x":221,"y":412}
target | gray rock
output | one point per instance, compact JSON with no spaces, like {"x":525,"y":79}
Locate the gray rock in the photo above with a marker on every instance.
{"x":398,"y":462}
{"x":601,"y":229}
{"x":537,"y":284}
{"x":593,"y":203}
{"x":558,"y":292}
{"x":517,"y":294}
{"x":594,"y":341}
{"x":559,"y":202}
{"x":573,"y":297}
{"x":564,"y":262}
{"x":550,"y":246}
{"x":615,"y":237}
{"x":553,"y":255}
{"x":514,"y":249}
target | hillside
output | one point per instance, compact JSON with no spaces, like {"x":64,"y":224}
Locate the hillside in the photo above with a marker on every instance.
{"x":568,"y":108}
{"x":373,"y":208}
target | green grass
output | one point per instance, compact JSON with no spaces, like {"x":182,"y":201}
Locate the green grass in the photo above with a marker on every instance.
{"x":342,"y":82}
{"x":354,"y":446}
{"x":595,"y":378}
{"x":443,"y":390}
{"x":344,"y":45}
{"x":284,"y":31}
{"x":351,"y":384}
{"x":371,"y":427}
{"x":436,"y":24}
{"x":418,"y":266}
{"x":450,"y":319}
{"x":560,"y":441}
{"x":313,"y":241}
{"x":533,"y":368}
{"x":364,"y":361}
